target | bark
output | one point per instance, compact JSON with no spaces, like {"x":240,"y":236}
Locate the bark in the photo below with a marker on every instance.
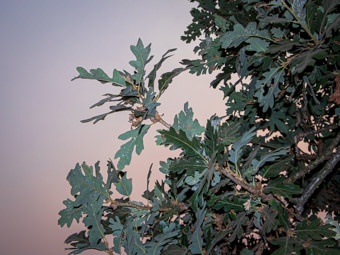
{"x":327,"y":155}
{"x":316,"y":181}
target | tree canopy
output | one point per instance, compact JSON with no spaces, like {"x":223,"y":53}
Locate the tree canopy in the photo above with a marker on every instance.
{"x":250,"y":182}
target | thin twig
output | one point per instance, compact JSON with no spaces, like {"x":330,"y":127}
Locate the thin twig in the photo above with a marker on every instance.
{"x":164,"y":123}
{"x":159,"y":119}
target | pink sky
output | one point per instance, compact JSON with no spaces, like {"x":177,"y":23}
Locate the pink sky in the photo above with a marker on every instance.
{"x":41,"y":137}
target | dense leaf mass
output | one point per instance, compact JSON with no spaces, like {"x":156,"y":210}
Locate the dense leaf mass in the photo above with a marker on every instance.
{"x":250,"y":182}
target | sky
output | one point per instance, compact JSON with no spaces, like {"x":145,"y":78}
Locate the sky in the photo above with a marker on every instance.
{"x":41,"y":137}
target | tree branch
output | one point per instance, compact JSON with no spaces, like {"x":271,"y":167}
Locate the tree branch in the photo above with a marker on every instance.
{"x":239,"y":181}
{"x":304,"y":134}
{"x":264,"y":145}
{"x":327,"y":155}
{"x":317,"y":180}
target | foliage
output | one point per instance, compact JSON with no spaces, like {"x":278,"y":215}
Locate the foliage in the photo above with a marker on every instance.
{"x":251,"y":182}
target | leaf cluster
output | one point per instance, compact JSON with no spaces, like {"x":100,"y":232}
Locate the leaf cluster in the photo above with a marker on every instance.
{"x":251,"y":182}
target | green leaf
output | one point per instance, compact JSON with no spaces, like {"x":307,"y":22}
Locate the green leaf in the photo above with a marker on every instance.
{"x":241,"y":34}
{"x":335,"y":226}
{"x":283,"y":46}
{"x":313,"y":228}
{"x":117,"y":229}
{"x":141,"y":53}
{"x":237,"y":225}
{"x":191,"y":165}
{"x":125,"y":152}
{"x":89,"y":191}
{"x":275,"y":169}
{"x":162,"y":240}
{"x":196,"y":246}
{"x":152,"y":74}
{"x":213,"y":143}
{"x":221,"y":23}
{"x":166,"y":79}
{"x":314,"y":16}
{"x":309,"y":237}
{"x":282,"y":214}
{"x":334,"y":26}
{"x":108,"y":98}
{"x":268,"y":157}
{"x":134,"y":244}
{"x":321,"y":247}
{"x":99,"y":75}
{"x":116,"y":108}
{"x":94,"y":211}
{"x":85,"y":187}
{"x":185,"y":121}
{"x":287,"y":245}
{"x":113,"y":175}
{"x":175,"y":250}
{"x":257,"y":45}
{"x":236,"y":150}
{"x":246,"y":252}
{"x":124,"y":186}
{"x":298,"y":7}
{"x":269,"y":219}
{"x":165,"y":166}
{"x":150,"y":103}
{"x":69,"y":213}
{"x":277,"y":33}
{"x":272,"y":79}
{"x":279,"y":121}
{"x":227,"y":204}
{"x":275,"y":186}
{"x":80,"y":242}
{"x":180,"y":140}
{"x":307,"y":58}
{"x":193,"y":180}
{"x":229,"y":132}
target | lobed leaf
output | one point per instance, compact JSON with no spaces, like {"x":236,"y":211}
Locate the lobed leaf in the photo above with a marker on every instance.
{"x":196,"y":246}
{"x":314,"y":229}
{"x":236,"y":150}
{"x":240,"y":34}
{"x":152,"y":74}
{"x":69,"y":213}
{"x":268,"y":157}
{"x":125,"y":152}
{"x":273,"y":78}
{"x":141,"y":53}
{"x":115,"y":108}
{"x":275,"y":186}
{"x":180,"y":140}
{"x":186,"y":122}
{"x":99,"y":75}
{"x":124,"y":186}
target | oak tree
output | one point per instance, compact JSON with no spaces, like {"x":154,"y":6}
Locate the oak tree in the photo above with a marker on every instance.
{"x":250,"y":182}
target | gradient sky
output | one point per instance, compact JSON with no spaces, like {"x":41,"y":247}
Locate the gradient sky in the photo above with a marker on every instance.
{"x":41,"y":137}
